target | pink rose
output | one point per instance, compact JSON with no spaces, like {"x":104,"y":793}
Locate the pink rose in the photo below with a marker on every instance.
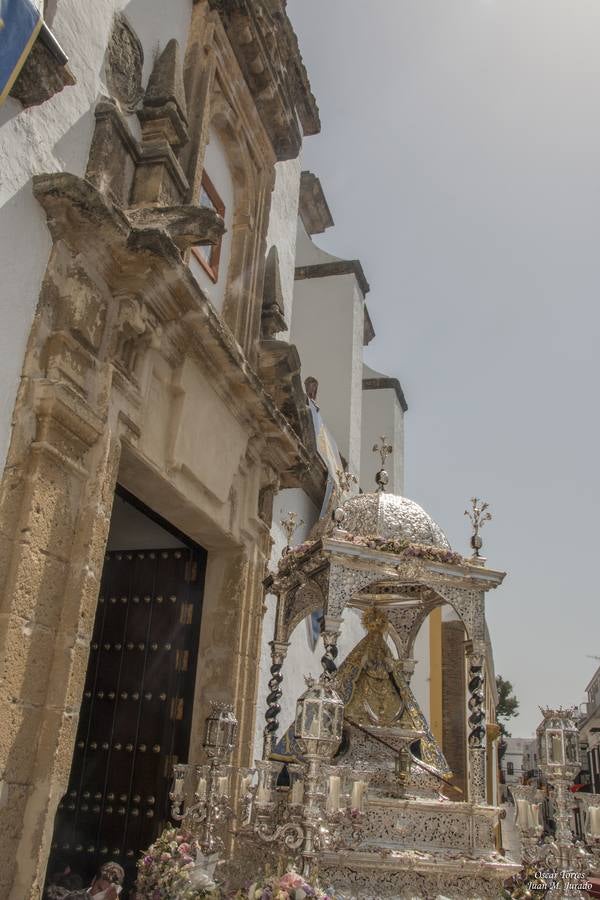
{"x":184,"y":848}
{"x":291,"y":880}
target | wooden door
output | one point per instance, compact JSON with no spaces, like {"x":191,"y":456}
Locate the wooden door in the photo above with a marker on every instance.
{"x":136,"y":709}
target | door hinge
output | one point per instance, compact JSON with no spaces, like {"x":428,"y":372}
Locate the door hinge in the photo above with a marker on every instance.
{"x":191,"y":571}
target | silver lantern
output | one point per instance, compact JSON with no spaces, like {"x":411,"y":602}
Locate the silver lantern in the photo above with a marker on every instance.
{"x":319,"y":719}
{"x":221,"y":730}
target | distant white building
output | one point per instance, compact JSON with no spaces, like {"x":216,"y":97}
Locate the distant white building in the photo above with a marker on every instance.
{"x":519,"y":759}
{"x":589,"y":732}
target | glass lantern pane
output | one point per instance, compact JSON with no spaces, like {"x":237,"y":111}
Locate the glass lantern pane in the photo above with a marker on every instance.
{"x":571,"y":747}
{"x":555,"y":748}
{"x":327,"y":727}
{"x":339,"y":721}
{"x":311,"y":719}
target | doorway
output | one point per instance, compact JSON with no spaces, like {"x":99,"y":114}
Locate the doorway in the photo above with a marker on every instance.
{"x":136,"y":708}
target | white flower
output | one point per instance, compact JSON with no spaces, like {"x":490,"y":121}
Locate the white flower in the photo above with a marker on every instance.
{"x":200,"y":880}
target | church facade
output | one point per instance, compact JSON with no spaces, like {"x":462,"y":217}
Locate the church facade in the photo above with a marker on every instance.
{"x":171,"y":394}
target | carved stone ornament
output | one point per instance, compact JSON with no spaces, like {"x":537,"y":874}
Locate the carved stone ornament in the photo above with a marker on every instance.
{"x":187,"y":226}
{"x":41,"y":77}
{"x":124,"y":61}
{"x":266,"y":48}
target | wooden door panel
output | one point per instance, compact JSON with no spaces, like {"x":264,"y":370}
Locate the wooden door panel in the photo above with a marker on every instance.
{"x":135,"y":709}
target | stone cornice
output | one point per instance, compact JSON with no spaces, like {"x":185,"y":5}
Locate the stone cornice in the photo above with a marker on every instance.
{"x":313,"y":208}
{"x":266,"y":48}
{"x":145,"y":261}
{"x":379,"y":384}
{"x":339,"y":267}
{"x":368,"y":330}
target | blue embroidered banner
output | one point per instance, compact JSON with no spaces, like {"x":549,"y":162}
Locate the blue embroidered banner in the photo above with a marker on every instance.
{"x":20,"y":23}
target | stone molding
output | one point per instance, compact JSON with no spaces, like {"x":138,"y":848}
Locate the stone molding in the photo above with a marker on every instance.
{"x":313,"y":208}
{"x":267,"y":51}
{"x":339,"y":267}
{"x":368,"y":330}
{"x":381,"y":384}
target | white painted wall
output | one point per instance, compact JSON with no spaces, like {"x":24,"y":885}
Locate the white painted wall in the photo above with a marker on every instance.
{"x":420,"y":681}
{"x":282,"y":227}
{"x":328,"y":328}
{"x":382,"y":414}
{"x":217,"y":166}
{"x":56,"y":136}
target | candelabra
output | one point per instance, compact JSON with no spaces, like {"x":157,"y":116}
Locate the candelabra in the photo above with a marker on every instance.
{"x":300,"y":807}
{"x":589,"y":807}
{"x":208,"y":785}
{"x":528,"y":801}
{"x":566,"y":861}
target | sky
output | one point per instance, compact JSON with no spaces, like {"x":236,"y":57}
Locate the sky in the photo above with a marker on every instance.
{"x":460,"y":156}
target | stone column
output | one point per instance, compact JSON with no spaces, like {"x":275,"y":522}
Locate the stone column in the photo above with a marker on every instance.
{"x":59,"y":518}
{"x":493,"y":732}
{"x":476,"y":731}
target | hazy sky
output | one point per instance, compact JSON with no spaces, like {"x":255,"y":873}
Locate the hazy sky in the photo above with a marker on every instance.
{"x":460,"y":154}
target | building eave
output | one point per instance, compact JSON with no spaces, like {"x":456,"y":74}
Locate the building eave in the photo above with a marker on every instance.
{"x":330,"y":269}
{"x":380,"y":384}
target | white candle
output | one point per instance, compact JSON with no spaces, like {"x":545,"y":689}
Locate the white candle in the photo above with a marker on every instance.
{"x":297,"y":792}
{"x":223,"y":786}
{"x":593,"y":821}
{"x":358,"y":795}
{"x":245,"y":784}
{"x":201,"y":789}
{"x":523,"y":814}
{"x":333,"y":797}
{"x":178,"y":789}
{"x":534,"y":814}
{"x":263,"y":795}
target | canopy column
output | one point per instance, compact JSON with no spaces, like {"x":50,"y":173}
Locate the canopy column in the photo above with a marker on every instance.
{"x":476,"y":725}
{"x":279,"y":651}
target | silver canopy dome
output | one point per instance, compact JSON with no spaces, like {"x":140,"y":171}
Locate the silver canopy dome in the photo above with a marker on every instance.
{"x":391,"y":517}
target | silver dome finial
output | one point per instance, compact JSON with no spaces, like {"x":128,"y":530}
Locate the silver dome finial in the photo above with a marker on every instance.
{"x":384,"y":449}
{"x":478,"y":514}
{"x":290,"y":526}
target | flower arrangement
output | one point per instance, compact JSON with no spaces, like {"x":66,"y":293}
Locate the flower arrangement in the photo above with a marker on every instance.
{"x":409,"y":550}
{"x":435,"y":554}
{"x":170,"y":870}
{"x":374,"y":542}
{"x":295,"y":553}
{"x":399,"y":546}
{"x":290,"y":886}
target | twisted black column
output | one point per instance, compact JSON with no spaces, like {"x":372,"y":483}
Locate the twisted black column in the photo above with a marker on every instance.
{"x":278,"y":654}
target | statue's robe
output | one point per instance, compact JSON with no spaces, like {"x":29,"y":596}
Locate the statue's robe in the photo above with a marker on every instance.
{"x":377,"y":698}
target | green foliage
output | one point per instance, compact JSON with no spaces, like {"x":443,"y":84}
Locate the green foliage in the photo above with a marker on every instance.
{"x":507,"y":706}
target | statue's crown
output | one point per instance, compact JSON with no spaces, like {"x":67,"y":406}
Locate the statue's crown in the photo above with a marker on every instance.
{"x":374,"y":619}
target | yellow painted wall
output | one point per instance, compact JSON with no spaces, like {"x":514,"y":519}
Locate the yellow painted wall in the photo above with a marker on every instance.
{"x":435,"y":675}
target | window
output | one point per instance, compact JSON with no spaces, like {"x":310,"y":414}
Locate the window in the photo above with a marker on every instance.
{"x":313,"y":623}
{"x":208,"y":255}
{"x":510,"y":768}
